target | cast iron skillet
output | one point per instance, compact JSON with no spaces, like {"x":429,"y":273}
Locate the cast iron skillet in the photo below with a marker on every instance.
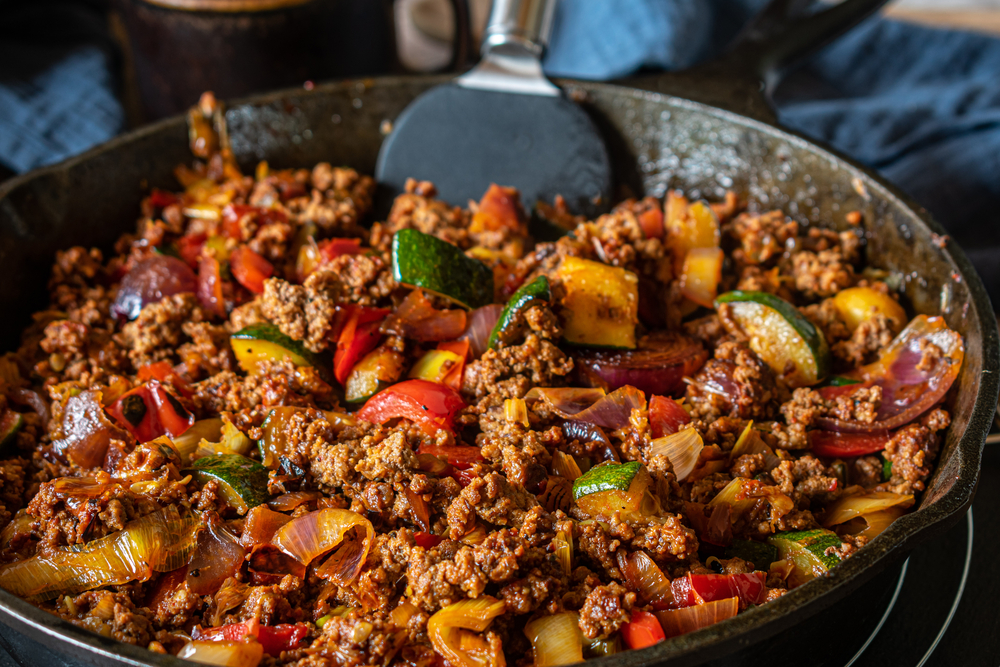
{"x":657,"y":141}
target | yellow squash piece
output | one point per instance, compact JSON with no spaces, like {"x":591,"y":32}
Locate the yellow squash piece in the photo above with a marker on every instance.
{"x":858,"y":304}
{"x":600,"y":306}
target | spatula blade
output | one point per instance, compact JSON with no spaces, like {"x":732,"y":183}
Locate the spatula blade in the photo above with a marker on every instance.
{"x":462,"y":140}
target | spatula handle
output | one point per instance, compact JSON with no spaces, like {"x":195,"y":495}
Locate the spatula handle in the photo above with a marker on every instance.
{"x":519,"y":25}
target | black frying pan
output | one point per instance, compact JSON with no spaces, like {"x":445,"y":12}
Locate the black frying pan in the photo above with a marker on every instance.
{"x":657,"y":141}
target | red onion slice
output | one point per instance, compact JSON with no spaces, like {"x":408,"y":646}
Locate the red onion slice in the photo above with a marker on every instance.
{"x":149,"y":281}
{"x":658,"y":366}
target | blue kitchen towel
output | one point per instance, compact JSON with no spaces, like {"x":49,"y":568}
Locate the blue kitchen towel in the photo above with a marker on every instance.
{"x":920,"y":105}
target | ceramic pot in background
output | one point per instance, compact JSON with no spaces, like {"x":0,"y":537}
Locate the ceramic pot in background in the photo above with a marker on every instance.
{"x":176,"y":49}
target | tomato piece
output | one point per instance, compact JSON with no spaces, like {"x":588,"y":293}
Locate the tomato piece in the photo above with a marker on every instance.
{"x":834,"y":445}
{"x":460,"y":456}
{"x":359,"y":334}
{"x":210,"y":287}
{"x":427,"y":540}
{"x":331,"y":249}
{"x":189,"y":247}
{"x":165,"y":588}
{"x":666,"y":416}
{"x":499,"y":209}
{"x":234,"y":632}
{"x":278,"y":638}
{"x":642,"y":630}
{"x":231,"y":216}
{"x":431,"y":405}
{"x":463,"y":477}
{"x":651,"y":221}
{"x":162,"y":198}
{"x":149,"y":411}
{"x":250,"y":269}
{"x":695,"y":589}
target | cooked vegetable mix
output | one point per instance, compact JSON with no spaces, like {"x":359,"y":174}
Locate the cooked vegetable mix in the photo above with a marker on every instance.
{"x":271,"y":430}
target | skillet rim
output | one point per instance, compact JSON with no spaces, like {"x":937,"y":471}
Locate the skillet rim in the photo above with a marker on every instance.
{"x":716,"y":640}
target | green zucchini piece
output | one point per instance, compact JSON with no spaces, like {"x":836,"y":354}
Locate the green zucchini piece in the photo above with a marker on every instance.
{"x":10,"y":425}
{"x":599,"y":306}
{"x":511,"y":322}
{"x":841,"y":381}
{"x":780,"y":335}
{"x":611,"y":477}
{"x":264,"y":341}
{"x":886,"y":469}
{"x":806,"y":549}
{"x":425,"y":261}
{"x":761,"y":554}
{"x":242,"y":481}
{"x":377,"y":370}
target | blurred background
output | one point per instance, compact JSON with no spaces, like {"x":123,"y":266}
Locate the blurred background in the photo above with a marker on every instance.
{"x":913,"y":92}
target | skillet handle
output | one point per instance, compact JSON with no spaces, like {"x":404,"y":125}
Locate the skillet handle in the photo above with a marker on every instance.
{"x":742,"y":78}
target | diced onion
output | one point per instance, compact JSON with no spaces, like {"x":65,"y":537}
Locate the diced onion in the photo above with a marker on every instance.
{"x":311,"y":535}
{"x":614,"y":410}
{"x":849,"y":507}
{"x":516,"y":412}
{"x":447,"y":630}
{"x":203,"y":429}
{"x":565,"y":465}
{"x":750,"y":442}
{"x":645,"y":577}
{"x":678,"y":622}
{"x":566,"y":401}
{"x":289,"y":501}
{"x":217,"y":558}
{"x":556,"y":639}
{"x":161,"y":541}
{"x":228,"y":654}
{"x":682,"y":449}
{"x":480,"y":325}
{"x":879,"y":521}
{"x":742,"y":495}
{"x":231,"y":441}
{"x":563,"y":542}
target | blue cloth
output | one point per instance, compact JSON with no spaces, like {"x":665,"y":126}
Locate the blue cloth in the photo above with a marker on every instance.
{"x":922,"y":106}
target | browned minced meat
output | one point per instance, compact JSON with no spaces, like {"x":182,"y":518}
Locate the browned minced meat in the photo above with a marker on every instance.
{"x":607,"y":609}
{"x":418,"y":209}
{"x":304,"y":312}
{"x":735,"y":382}
{"x":487,"y":524}
{"x":762,"y":237}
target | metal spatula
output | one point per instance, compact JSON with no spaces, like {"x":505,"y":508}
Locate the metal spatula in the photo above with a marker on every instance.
{"x":502,"y":122}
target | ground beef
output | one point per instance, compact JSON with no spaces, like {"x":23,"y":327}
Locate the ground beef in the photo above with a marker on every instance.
{"x":821,"y":274}
{"x":912,"y":449}
{"x":304,"y":312}
{"x":209,"y":351}
{"x":159,"y":330}
{"x":340,"y":199}
{"x":805,"y":479}
{"x":735,"y":382}
{"x":513,"y":370}
{"x":762,"y":237}
{"x":493,"y":500}
{"x":366,"y":279}
{"x":418,"y":209}
{"x":607,"y":609}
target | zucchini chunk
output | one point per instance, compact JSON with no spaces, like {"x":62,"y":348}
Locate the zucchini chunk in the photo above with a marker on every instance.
{"x":779,"y":334}
{"x":806,"y":549}
{"x":761,"y":554}
{"x":600,"y":305}
{"x":425,"y":261}
{"x":613,"y":487}
{"x":265,"y":342}
{"x":242,"y":481}
{"x":377,"y":370}
{"x":510,"y":324}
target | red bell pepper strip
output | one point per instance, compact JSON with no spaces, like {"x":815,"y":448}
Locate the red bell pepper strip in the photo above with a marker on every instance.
{"x":250,"y":269}
{"x":642,"y":630}
{"x":162,"y":198}
{"x":331,"y":249}
{"x":694,"y":589}
{"x":431,"y":405}
{"x":210,"y":287}
{"x":274,"y":639}
{"x":149,"y":411}
{"x":164,"y":372}
{"x":359,"y":335}
{"x":666,"y":416}
{"x":830,"y":444}
{"x":189,"y":248}
{"x":427,"y":540}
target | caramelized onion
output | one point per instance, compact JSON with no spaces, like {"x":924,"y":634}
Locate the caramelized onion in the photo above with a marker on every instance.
{"x":911,"y":384}
{"x":289,"y":501}
{"x":593,"y":439}
{"x":149,"y":281}
{"x":682,"y":449}
{"x":448,"y":632}
{"x":646,"y":578}
{"x":217,"y":557}
{"x":658,"y":365}
{"x":312,"y":535}
{"x":229,"y":654}
{"x":480,"y":325}
{"x":159,"y":542}
{"x":863,"y":504}
{"x":614,"y":410}
{"x":261,"y":525}
{"x":420,"y":320}
{"x":33,"y":400}
{"x":85,"y":432}
{"x":556,"y":639}
{"x":566,"y":401}
{"x":678,"y":622}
